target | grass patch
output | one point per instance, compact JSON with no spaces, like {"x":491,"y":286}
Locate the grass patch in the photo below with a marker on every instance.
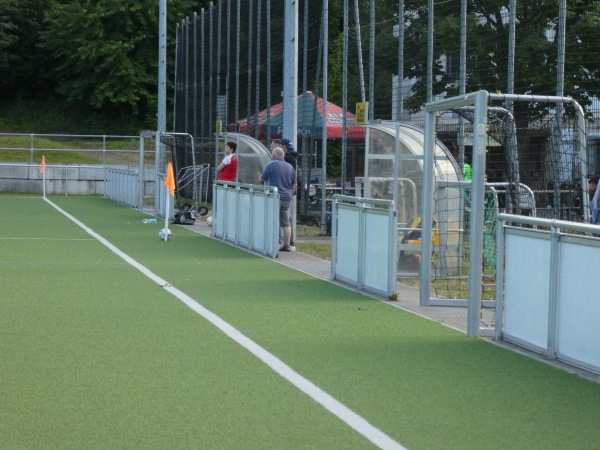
{"x":307,"y":230}
{"x":322,"y":251}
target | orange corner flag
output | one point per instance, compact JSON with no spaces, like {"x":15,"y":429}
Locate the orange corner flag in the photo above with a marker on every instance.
{"x":43,"y":166}
{"x":170,"y":180}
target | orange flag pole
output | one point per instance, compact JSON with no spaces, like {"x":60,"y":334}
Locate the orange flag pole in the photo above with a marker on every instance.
{"x":43,"y":172}
{"x":170,"y":186}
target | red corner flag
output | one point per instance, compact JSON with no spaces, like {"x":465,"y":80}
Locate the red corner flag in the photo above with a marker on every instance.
{"x":170,"y":180}
{"x":43,"y":166}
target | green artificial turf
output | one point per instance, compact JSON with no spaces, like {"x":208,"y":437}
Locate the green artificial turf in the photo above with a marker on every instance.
{"x":95,"y":355}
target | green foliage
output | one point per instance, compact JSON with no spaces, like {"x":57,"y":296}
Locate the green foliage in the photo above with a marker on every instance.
{"x":92,"y":65}
{"x":96,"y":60}
{"x":23,"y":66}
{"x":487,"y":40}
{"x":101,"y":52}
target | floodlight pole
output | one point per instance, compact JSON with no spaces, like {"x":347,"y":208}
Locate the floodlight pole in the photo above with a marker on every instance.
{"x":290,"y":71}
{"x":323,"y":229}
{"x":161,"y":112}
{"x":162,"y":67}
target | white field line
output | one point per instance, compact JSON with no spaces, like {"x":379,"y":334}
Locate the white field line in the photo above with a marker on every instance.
{"x":41,"y":239}
{"x":356,"y":422}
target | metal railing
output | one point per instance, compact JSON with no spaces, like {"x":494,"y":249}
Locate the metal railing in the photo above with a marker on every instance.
{"x":38,"y":143}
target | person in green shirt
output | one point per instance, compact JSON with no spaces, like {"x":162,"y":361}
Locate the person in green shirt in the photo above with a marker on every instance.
{"x":467,"y":171}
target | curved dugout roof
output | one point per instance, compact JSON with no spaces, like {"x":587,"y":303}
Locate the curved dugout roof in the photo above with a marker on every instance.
{"x":379,"y":165}
{"x":252,"y":155}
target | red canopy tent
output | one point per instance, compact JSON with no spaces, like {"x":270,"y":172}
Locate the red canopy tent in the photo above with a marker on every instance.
{"x":310,"y":121}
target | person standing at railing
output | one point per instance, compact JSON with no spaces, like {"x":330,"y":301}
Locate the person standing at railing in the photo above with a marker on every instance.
{"x":281,"y":175}
{"x":227,"y":170}
{"x":594,"y":196}
{"x":291,"y":157}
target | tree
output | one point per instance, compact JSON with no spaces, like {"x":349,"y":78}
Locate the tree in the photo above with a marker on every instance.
{"x":102,"y":54}
{"x":23,"y":67}
{"x":90,"y":59}
{"x":487,"y":48}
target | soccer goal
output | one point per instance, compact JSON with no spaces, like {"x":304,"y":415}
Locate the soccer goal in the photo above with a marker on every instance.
{"x":528,"y":157}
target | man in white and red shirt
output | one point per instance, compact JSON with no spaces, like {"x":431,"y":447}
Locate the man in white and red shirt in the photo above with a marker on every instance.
{"x":227,"y":170}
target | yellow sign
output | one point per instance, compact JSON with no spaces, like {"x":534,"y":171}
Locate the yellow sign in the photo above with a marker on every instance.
{"x":361,"y":113}
{"x":219,"y":128}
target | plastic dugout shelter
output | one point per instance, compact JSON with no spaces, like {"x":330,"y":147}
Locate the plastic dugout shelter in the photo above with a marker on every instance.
{"x":252,"y":155}
{"x":394,"y":171}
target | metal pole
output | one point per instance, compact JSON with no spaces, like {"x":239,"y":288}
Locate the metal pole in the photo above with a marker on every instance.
{"x":427,"y":209}
{"x":371,"y":64}
{"x":195,"y":59}
{"x":249,"y":84}
{"x":202,"y":71}
{"x":305,"y":51}
{"x":560,"y":65}
{"x":360,"y":58}
{"x":477,"y":213}
{"x":228,"y":63}
{"x":186,"y":116}
{"x":175,"y":84}
{"x":211,"y":74}
{"x":268,"y":121}
{"x":511,"y":51}
{"x":324,"y":135}
{"x":344,"y":97}
{"x":158,"y":160}
{"x":400,"y":80}
{"x":430,"y":52}
{"x":305,"y":141}
{"x":237,"y":63}
{"x":219,"y":44}
{"x":462,"y":82}
{"x":258,"y":43}
{"x":290,"y":72}
{"x":162,"y":66}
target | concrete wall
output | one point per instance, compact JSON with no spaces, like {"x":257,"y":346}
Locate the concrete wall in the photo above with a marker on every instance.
{"x":68,"y":180}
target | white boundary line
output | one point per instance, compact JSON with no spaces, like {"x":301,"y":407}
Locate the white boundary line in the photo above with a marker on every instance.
{"x":41,"y":239}
{"x":338,"y":409}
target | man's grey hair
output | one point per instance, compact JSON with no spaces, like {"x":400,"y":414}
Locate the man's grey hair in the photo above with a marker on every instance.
{"x":278,"y":153}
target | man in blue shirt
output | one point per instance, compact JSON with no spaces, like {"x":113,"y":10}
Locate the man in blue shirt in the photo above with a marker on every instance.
{"x":282,"y":175}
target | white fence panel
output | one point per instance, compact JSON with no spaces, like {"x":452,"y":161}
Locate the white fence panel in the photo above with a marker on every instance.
{"x":123,"y":186}
{"x":527,"y":272}
{"x":378,"y":249}
{"x":231,"y":215}
{"x":247,"y":215}
{"x":364,"y":239}
{"x":244,"y":218}
{"x":264,"y":221}
{"x":547,"y":296}
{"x":347,"y":244}
{"x":579,"y":306}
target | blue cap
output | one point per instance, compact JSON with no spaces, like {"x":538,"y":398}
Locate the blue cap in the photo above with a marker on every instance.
{"x":287,"y":143}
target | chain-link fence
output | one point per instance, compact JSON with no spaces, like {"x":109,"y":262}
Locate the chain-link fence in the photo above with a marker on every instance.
{"x":230,"y":65}
{"x":230,"y":71}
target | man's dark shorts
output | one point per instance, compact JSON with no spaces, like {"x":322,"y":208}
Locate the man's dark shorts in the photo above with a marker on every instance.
{"x":284,"y":213}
